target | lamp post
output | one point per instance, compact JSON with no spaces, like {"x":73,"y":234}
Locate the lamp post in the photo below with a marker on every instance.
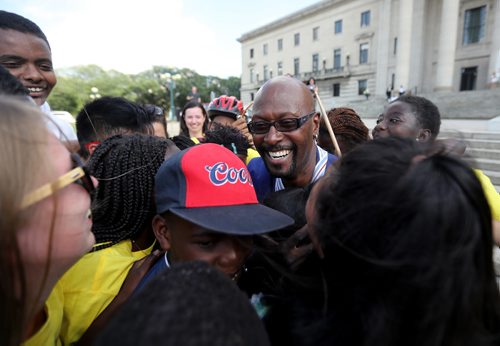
{"x":171,"y":87}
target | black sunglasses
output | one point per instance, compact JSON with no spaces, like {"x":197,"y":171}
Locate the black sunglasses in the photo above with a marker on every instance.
{"x":282,"y":125}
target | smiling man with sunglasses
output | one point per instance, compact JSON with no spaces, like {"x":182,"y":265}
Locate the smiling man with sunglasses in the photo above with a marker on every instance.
{"x":284,"y":128}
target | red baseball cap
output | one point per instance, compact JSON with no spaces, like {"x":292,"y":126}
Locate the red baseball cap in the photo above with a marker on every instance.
{"x":211,"y":187}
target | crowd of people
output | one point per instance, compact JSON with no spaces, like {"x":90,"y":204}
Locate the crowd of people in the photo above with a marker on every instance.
{"x":236,"y":232}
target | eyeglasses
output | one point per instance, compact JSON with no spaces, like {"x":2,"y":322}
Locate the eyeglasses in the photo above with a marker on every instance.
{"x":282,"y":125}
{"x":78,"y":175}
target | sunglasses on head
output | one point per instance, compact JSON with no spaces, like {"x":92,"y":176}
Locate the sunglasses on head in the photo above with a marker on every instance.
{"x":78,"y":175}
{"x":282,"y":125}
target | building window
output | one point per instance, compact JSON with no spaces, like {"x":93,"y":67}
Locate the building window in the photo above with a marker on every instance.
{"x":252,"y":96}
{"x":296,"y":66}
{"x":365,"y":18}
{"x":296,"y":39}
{"x":280,"y":68}
{"x":395,"y":46}
{"x":336,"y":89}
{"x":315,"y":60}
{"x":266,"y":73}
{"x":280,"y":44}
{"x":316,"y":33}
{"x":338,"y":26}
{"x":363,"y":53}
{"x":362,"y":84}
{"x":251,"y":75}
{"x":251,"y":53}
{"x":474,"y":24}
{"x":264,"y":49}
{"x":337,"y":55}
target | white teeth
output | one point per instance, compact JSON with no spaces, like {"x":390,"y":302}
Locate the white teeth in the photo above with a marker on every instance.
{"x":35,"y":90}
{"x":279,"y":154}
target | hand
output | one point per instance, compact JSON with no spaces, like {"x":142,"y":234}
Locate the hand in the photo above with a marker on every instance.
{"x":241,"y":125}
{"x":294,"y":252}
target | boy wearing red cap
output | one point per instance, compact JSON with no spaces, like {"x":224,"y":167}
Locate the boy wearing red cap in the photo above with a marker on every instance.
{"x":207,"y":210}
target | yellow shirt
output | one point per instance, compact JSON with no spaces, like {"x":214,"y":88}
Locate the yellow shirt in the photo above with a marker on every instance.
{"x":251,"y":154}
{"x":92,"y":283}
{"x":48,"y":334}
{"x":491,"y":194}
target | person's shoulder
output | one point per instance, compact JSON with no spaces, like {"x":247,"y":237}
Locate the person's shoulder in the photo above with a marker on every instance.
{"x":332,"y":158}
{"x":156,"y":269}
{"x":61,"y":128}
{"x":251,"y":154}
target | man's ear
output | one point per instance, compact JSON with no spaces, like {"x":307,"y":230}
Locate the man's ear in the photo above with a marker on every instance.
{"x":91,"y":147}
{"x":424,"y":135}
{"x":316,"y":120}
{"x":162,"y":233}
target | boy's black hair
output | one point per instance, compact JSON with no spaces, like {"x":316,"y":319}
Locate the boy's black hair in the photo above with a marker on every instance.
{"x":10,"y":85}
{"x":229,"y":137}
{"x":426,"y":112}
{"x":13,"y":21}
{"x":108,"y":116}
{"x":189,"y":304}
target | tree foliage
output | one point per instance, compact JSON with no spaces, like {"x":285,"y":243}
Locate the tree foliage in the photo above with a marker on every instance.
{"x":79,"y":85}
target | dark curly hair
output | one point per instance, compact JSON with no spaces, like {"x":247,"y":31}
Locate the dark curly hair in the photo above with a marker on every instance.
{"x":125,"y":166}
{"x":407,"y":237}
{"x":229,"y":137}
{"x":426,"y":112}
{"x":198,"y":303}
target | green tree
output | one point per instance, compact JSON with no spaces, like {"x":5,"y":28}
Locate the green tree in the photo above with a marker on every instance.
{"x":75,"y":85}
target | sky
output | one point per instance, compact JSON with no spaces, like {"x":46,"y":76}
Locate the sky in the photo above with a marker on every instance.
{"x":132,"y":36}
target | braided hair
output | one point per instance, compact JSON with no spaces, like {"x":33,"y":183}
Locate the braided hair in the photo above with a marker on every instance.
{"x":125,"y":166}
{"x":348,"y":127}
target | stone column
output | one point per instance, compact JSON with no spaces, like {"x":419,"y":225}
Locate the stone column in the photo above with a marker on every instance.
{"x":383,"y":47}
{"x":495,"y":40}
{"x":404,"y":44}
{"x":447,"y":45}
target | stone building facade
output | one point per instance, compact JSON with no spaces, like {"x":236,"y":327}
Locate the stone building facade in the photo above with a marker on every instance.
{"x":348,"y":46}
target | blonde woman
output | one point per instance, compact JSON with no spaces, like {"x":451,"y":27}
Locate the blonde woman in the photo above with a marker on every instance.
{"x":44,"y":227}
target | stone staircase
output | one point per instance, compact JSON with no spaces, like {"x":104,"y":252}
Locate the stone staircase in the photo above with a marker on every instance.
{"x":477,"y":104}
{"x":484,"y":150}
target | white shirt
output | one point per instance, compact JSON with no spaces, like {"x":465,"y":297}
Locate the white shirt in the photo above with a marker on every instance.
{"x":60,"y":128}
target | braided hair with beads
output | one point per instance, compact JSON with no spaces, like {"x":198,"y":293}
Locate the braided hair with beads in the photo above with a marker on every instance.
{"x":125,"y":166}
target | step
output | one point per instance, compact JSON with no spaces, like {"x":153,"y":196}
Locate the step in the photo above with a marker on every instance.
{"x":465,"y":135}
{"x":493,"y":154}
{"x":494,"y":177}
{"x":483,"y":143}
{"x":486,"y":164}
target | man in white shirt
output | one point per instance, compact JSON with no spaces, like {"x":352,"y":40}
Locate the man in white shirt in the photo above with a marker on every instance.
{"x":25,"y":52}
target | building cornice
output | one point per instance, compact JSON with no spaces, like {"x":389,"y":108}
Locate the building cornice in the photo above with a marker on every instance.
{"x":294,"y":17}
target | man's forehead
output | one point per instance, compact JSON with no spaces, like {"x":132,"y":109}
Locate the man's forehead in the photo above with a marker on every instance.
{"x":14,"y":42}
{"x":281,"y":98}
